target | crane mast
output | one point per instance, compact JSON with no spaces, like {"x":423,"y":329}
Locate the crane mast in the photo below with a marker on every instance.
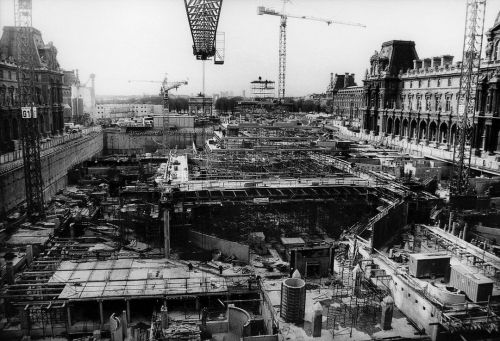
{"x":166,"y":86}
{"x":282,"y":58}
{"x":469,"y":75}
{"x":282,"y":41}
{"x":30,"y":134}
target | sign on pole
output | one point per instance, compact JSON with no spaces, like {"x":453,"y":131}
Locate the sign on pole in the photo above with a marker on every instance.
{"x":27,"y":113}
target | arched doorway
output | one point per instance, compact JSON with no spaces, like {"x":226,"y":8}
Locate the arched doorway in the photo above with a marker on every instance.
{"x":422,"y":131}
{"x":41,"y":123}
{"x":55,"y":123}
{"x":432,"y":131}
{"x":413,"y":129}
{"x":405,"y":128}
{"x":388,"y":129}
{"x":15,"y":129}
{"x":453,"y":133}
{"x":396,"y":126}
{"x":6,"y":130}
{"x":443,"y":133}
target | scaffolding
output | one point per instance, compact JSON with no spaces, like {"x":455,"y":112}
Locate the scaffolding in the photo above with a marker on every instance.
{"x":356,"y":298}
{"x":252,"y":164}
{"x":262,"y":88}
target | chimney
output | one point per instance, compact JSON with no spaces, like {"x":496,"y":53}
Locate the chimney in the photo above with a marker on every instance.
{"x":346,"y":80}
{"x":436,"y":62}
{"x":446,"y":60}
{"x":427,"y":63}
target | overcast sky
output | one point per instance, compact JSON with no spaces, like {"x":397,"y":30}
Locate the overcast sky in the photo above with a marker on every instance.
{"x":120,"y":40}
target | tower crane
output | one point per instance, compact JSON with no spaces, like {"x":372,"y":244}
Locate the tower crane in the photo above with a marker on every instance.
{"x":166,"y":86}
{"x":469,"y":76}
{"x":261,"y":10}
{"x":30,"y":135}
{"x":203,"y":18}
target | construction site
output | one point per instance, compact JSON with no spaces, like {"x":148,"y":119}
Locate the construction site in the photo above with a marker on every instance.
{"x":262,"y":225}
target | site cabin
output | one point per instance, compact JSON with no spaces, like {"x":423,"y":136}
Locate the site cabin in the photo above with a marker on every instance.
{"x":477,"y":287}
{"x":429,"y":264}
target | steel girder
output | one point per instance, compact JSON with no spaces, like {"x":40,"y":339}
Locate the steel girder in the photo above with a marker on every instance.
{"x":203,"y":17}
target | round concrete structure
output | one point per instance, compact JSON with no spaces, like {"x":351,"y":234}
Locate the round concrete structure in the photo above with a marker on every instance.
{"x":293,"y":300}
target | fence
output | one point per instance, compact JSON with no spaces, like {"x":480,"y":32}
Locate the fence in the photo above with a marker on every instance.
{"x":282,"y":183}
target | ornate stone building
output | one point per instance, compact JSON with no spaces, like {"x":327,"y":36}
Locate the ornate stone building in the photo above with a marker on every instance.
{"x":428,"y":103}
{"x":383,"y":83}
{"x":48,"y":83}
{"x":416,"y":99}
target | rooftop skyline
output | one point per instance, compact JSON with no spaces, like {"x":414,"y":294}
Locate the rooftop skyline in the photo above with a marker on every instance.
{"x":122,"y":40}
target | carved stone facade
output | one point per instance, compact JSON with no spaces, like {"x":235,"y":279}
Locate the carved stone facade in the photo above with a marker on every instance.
{"x":48,"y":84}
{"x":346,"y":105}
{"x":416,"y":99}
{"x":428,"y":103}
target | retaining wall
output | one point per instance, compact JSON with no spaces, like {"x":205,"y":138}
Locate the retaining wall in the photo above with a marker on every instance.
{"x":56,"y":161}
{"x":228,"y":248}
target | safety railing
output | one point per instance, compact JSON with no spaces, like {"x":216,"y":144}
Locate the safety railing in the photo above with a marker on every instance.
{"x":282,"y":183}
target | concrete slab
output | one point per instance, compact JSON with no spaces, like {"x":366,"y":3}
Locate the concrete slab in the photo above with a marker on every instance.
{"x":154,"y":277}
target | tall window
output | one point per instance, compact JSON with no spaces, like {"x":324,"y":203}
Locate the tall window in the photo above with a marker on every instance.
{"x":497,"y":51}
{"x":419,"y":103}
{"x":419,"y":83}
{"x":410,"y":102}
{"x":439,"y":82}
{"x":449,"y":81}
{"x":428,"y":83}
{"x":428,"y":103}
{"x":447,"y":106}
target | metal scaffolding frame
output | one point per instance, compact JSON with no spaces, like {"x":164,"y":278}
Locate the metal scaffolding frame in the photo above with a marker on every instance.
{"x":356,"y":299}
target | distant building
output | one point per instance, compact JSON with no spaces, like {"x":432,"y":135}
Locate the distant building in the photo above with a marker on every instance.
{"x":345,"y":99}
{"x":200,"y":106}
{"x":116,"y":111}
{"x":416,"y":99}
{"x":48,"y":86}
{"x":85,"y":109}
{"x":69,"y":78}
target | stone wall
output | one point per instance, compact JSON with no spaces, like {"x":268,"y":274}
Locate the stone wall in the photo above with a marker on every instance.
{"x":228,"y":248}
{"x":121,"y":142}
{"x":55,"y":165}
